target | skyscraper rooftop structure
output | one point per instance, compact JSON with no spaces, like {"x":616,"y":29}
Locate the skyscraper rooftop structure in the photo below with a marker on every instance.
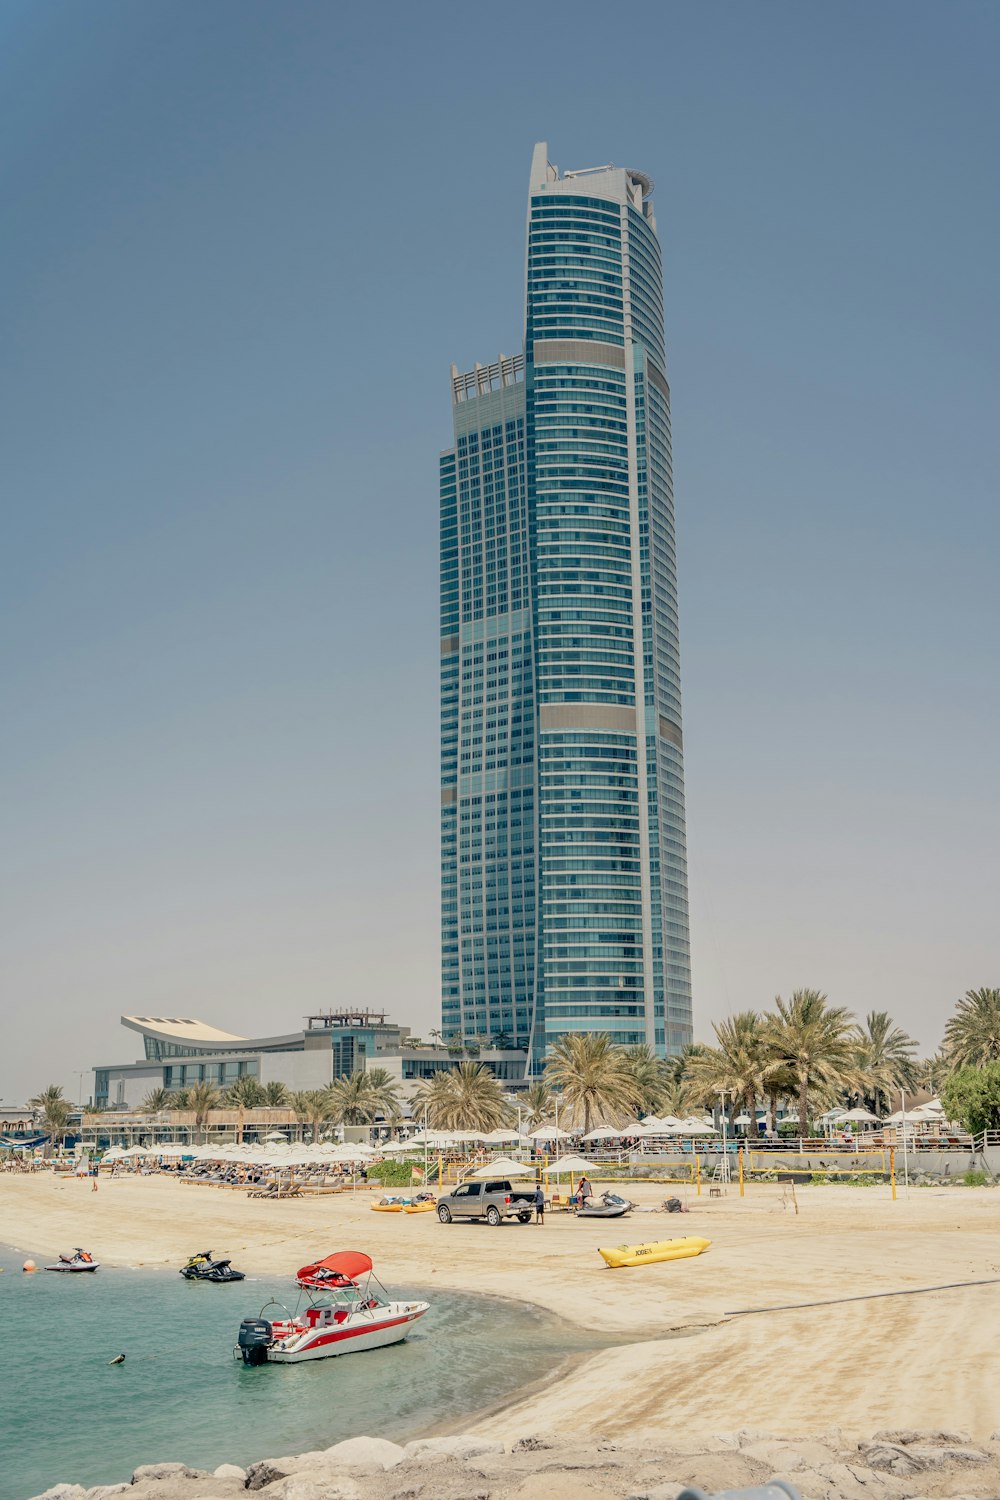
{"x":564,"y":874}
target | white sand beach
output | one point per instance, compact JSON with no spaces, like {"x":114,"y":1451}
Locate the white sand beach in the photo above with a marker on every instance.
{"x":684,"y":1362}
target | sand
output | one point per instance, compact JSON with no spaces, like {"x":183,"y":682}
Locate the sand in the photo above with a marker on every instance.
{"x":684,"y":1363}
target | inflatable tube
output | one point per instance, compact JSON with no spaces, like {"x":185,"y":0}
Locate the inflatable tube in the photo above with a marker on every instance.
{"x":657,"y":1250}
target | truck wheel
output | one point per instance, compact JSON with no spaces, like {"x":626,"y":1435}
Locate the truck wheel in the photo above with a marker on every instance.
{"x":524,"y":1218}
{"x":492,"y":1215}
{"x":444,"y":1213}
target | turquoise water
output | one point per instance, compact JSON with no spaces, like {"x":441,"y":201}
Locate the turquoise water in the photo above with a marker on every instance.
{"x":69,"y":1415}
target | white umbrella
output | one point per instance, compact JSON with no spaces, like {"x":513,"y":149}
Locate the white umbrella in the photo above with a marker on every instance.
{"x":693,"y":1127}
{"x":276,"y":1135}
{"x":500,"y":1137}
{"x":863,"y":1116}
{"x":549,"y":1133}
{"x":572,"y":1164}
{"x":602,"y":1133}
{"x":503,"y":1167}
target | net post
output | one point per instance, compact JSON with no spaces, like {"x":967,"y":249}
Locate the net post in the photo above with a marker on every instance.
{"x":697,"y":1176}
{"x":741,"y":1170}
{"x":892,"y":1170}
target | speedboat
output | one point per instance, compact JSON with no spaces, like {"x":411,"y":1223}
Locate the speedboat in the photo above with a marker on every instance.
{"x":203,"y":1268}
{"x":608,"y":1206}
{"x":80,"y":1260}
{"x":344,"y":1314}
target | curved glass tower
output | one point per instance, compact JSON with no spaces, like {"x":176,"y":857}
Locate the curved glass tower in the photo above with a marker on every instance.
{"x":563,"y":831}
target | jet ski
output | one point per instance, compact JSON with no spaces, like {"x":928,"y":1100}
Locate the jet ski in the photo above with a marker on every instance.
{"x":608,"y":1206}
{"x":203,"y":1268}
{"x":80,"y":1260}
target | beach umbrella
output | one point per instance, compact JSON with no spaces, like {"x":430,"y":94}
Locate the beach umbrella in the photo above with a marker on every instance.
{"x":276,"y":1135}
{"x":549,"y":1133}
{"x":693,"y":1127}
{"x":571,"y":1164}
{"x":602,"y":1133}
{"x":863,"y":1116}
{"x":503,"y":1167}
{"x":499,"y":1137}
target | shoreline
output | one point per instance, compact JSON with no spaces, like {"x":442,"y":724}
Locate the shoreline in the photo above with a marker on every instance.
{"x":803,"y":1375}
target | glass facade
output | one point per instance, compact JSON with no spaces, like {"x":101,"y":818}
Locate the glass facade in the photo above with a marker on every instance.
{"x":562,"y":768}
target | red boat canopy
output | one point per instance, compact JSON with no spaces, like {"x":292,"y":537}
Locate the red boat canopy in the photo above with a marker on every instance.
{"x":347,"y":1263}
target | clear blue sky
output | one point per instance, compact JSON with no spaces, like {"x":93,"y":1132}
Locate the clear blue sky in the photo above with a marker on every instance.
{"x":242,"y":244}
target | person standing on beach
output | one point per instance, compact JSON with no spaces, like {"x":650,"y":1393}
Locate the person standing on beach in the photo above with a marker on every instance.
{"x":583,"y":1192}
{"x":539,"y":1204}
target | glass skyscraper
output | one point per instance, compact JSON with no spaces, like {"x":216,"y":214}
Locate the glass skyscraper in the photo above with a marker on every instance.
{"x":564,"y":872}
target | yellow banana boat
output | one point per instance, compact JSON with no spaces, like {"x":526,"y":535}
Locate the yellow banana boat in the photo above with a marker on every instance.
{"x":427,"y":1207}
{"x":644,"y":1255}
{"x":386,"y":1208}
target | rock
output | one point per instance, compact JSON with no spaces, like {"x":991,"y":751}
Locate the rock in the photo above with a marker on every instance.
{"x":365,"y":1452}
{"x":229,"y":1471}
{"x":63,"y":1492}
{"x":316,"y":1483}
{"x":965,"y":1455}
{"x":105,"y":1491}
{"x":789,"y":1458}
{"x":267,"y":1471}
{"x":166,"y":1471}
{"x":934,"y":1436}
{"x":451,"y":1447}
{"x":534,"y":1443}
{"x":667,"y":1491}
{"x":894,"y":1458}
{"x":558,"y":1486}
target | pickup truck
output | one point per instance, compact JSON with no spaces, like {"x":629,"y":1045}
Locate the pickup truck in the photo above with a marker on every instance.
{"x":492,"y":1201}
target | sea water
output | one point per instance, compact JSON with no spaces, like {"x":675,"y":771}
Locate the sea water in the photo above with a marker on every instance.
{"x":66,"y":1413}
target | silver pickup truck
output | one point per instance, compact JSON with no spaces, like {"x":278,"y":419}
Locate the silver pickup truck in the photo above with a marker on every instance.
{"x":493,"y":1201}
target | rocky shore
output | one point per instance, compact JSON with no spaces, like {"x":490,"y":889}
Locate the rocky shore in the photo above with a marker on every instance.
{"x":891,"y":1465}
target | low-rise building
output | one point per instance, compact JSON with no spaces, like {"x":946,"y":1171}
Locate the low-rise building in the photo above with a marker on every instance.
{"x":180,"y":1051}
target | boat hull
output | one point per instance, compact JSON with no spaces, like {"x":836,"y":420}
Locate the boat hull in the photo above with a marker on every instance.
{"x":91,"y":1265}
{"x":654,"y":1252}
{"x":420,"y":1208}
{"x":386,"y":1208}
{"x":329,"y":1343}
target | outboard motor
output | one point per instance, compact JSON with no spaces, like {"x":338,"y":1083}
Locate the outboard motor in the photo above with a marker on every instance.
{"x":255,"y":1335}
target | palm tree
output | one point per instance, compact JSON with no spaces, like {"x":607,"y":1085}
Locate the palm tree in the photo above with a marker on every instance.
{"x":814,"y":1040}
{"x":972,"y":1035}
{"x":313,"y":1107}
{"x":178,"y":1099}
{"x":275,"y":1095}
{"x":594,"y":1078}
{"x":885,"y":1057}
{"x":384,"y":1092}
{"x":246,"y":1092}
{"x":358,"y":1098}
{"x":650,"y":1075}
{"x":932,"y":1072}
{"x":536,"y":1103}
{"x":156,"y":1101}
{"x":55,"y":1111}
{"x":467,"y":1097}
{"x":739,"y":1065}
{"x":202,"y":1097}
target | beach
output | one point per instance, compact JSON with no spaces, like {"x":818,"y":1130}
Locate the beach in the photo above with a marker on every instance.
{"x":682,"y":1361}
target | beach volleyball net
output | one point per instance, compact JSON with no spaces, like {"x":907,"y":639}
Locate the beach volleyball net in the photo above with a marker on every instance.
{"x":872,"y":1162}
